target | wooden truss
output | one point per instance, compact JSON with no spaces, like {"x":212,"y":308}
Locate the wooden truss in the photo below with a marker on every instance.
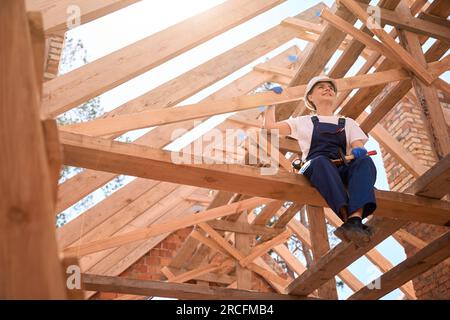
{"x":230,"y":239}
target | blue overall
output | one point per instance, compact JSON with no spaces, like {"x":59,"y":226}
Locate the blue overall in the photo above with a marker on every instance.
{"x":331,"y":180}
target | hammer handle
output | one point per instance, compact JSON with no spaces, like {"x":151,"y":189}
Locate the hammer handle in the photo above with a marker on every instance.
{"x":351,"y":157}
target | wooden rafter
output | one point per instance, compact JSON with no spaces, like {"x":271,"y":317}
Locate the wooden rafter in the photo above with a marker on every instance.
{"x":434,"y":253}
{"x":89,"y":81}
{"x":174,"y":290}
{"x":100,"y":154}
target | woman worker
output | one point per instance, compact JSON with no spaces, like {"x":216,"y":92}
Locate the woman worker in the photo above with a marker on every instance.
{"x":347,"y":189}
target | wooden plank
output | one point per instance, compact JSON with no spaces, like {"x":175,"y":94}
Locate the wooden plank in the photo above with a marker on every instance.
{"x":340,"y":257}
{"x":145,"y":233}
{"x":54,"y":154}
{"x":206,"y":241}
{"x":120,"y":218}
{"x":259,"y":266}
{"x":91,"y":218}
{"x":174,"y":290}
{"x":320,"y":245}
{"x":36,"y":26}
{"x":241,"y":227}
{"x":211,"y":277}
{"x":157,"y":214}
{"x":316,"y":60}
{"x":375,"y":257}
{"x":403,"y":156}
{"x":93,"y":79}
{"x":175,"y":91}
{"x":29,"y":260}
{"x":123,"y":123}
{"x":262,"y":248}
{"x":355,"y":48}
{"x":243,"y":243}
{"x":405,"y":236}
{"x":416,"y":25}
{"x":357,"y":34}
{"x":267,"y":213}
{"x":385,"y":265}
{"x":232,"y":251}
{"x":427,"y":95}
{"x":402,"y":55}
{"x":269,"y":275}
{"x":89,"y":180}
{"x":55,"y":12}
{"x":435,"y":183}
{"x":380,"y":109}
{"x":120,"y":259}
{"x":356,"y":105}
{"x":190,"y":245}
{"x":434,"y":253}
{"x":186,"y":276}
{"x":292,"y":262}
{"x":96,"y":153}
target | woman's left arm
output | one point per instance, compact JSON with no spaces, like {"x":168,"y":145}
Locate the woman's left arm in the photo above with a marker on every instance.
{"x":357,"y":144}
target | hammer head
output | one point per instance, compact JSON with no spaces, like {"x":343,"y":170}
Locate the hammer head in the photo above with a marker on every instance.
{"x":342,"y":157}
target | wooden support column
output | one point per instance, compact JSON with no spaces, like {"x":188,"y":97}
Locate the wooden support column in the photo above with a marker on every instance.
{"x":427,"y":95}
{"x":29,"y":263}
{"x":320,"y":246}
{"x":243,"y":243}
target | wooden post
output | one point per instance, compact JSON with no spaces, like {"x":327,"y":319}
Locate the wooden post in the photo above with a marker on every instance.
{"x":427,"y":95}
{"x":320,"y":246}
{"x":243,"y":243}
{"x":29,"y":263}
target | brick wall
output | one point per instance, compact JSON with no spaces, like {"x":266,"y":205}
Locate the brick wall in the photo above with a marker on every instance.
{"x":407,"y":124}
{"x":149,"y":266}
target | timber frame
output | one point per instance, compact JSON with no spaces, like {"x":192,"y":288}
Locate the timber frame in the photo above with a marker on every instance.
{"x":231,"y":238}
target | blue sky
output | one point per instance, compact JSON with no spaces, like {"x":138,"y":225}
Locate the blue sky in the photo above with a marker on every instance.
{"x":144,"y":18}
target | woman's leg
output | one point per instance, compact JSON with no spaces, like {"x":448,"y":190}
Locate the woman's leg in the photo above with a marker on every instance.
{"x":324,"y":176}
{"x":361,"y":180}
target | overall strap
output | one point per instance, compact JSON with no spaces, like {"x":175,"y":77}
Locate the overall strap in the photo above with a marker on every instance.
{"x":315,"y":120}
{"x":341,"y":122}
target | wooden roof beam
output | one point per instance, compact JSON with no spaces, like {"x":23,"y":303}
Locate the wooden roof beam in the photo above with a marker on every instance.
{"x":374,"y":256}
{"x":95,"y":78}
{"x":324,"y":48}
{"x":174,"y":290}
{"x":434,"y":253}
{"x":87,"y":181}
{"x":158,"y":229}
{"x":55,"y":11}
{"x":123,"y":123}
{"x":427,"y":95}
{"x":416,"y":25}
{"x":435,"y":183}
{"x":403,"y":56}
{"x":135,"y":160}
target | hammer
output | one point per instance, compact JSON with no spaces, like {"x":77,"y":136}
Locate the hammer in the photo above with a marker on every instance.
{"x":347,"y":159}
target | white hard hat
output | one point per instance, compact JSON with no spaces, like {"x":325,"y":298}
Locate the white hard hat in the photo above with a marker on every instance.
{"x":311,"y":85}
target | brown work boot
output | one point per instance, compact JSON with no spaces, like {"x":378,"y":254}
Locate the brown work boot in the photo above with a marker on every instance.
{"x":353,"y":232}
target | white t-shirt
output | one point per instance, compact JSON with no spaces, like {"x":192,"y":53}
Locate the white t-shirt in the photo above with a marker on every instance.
{"x":302,"y":129}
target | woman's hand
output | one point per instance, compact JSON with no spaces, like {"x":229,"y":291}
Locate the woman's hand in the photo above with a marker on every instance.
{"x":269,"y":118}
{"x":359,"y":152}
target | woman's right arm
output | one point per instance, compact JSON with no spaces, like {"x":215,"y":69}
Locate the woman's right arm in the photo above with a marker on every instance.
{"x":270,"y":123}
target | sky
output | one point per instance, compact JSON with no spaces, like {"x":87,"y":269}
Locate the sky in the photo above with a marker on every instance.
{"x":133,"y":23}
